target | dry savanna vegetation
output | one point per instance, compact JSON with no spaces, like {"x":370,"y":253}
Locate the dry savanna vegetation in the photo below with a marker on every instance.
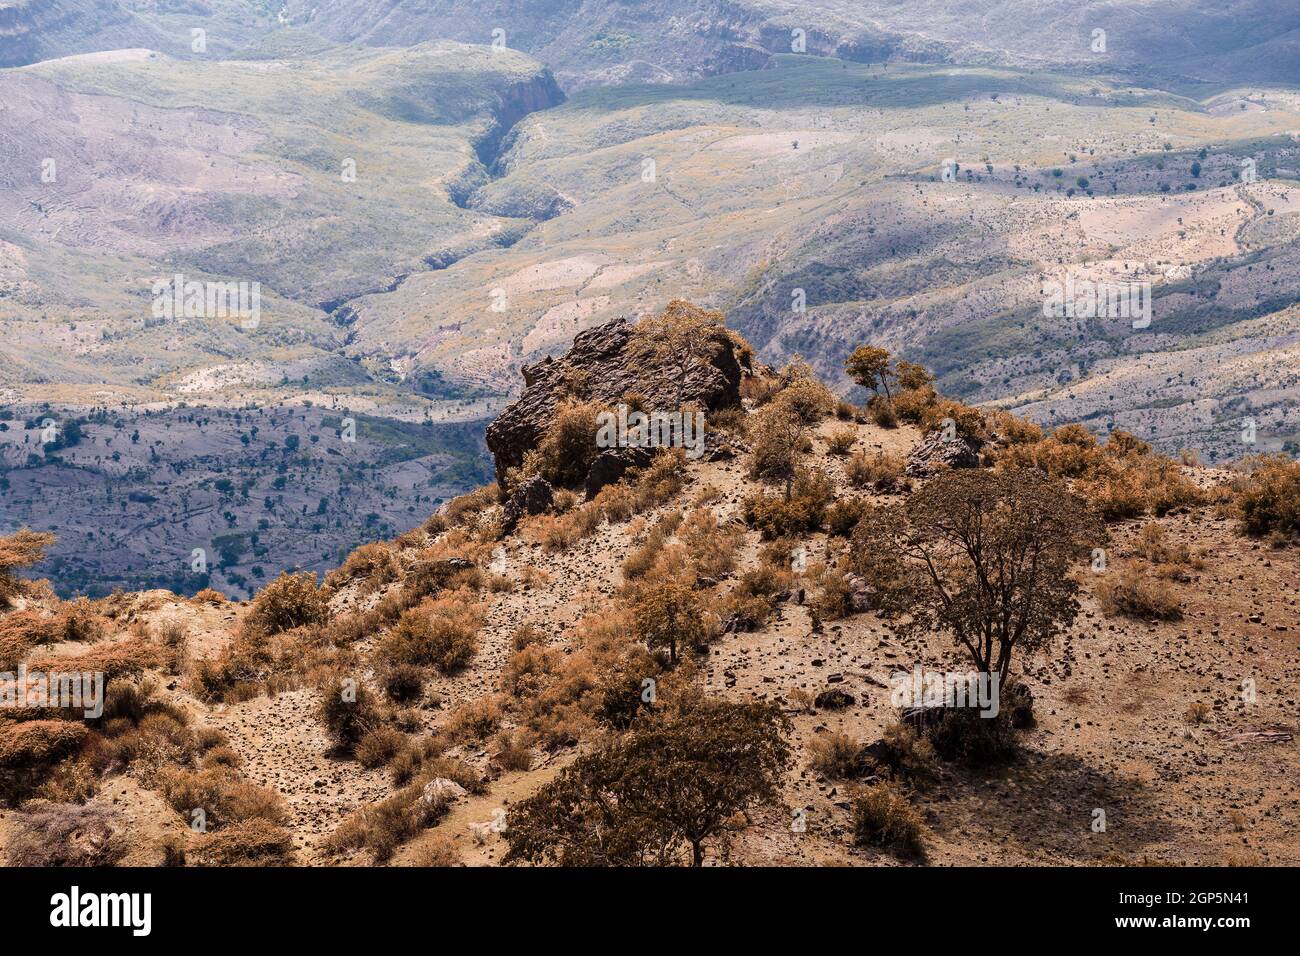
{"x":697,"y":662}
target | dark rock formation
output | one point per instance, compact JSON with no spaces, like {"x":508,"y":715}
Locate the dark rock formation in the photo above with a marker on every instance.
{"x":936,"y":453}
{"x":532,"y":496}
{"x":597,"y":368}
{"x":611,"y":464}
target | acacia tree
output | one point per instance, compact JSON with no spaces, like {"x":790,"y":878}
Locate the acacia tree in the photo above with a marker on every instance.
{"x":680,"y":338}
{"x":667,"y":787}
{"x":20,"y":550}
{"x":869,"y":367}
{"x":668,"y":613}
{"x":982,"y":555}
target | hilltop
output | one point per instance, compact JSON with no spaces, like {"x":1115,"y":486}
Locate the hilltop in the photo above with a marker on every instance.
{"x":405,"y":708}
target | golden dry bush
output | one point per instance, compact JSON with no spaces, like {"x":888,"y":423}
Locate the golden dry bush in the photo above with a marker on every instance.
{"x":1130,"y":590}
{"x":1269,"y":497}
{"x":841,"y":441}
{"x":835,"y":755}
{"x":883,"y":818}
{"x":291,"y":600}
{"x":440,"y":632}
{"x":374,"y":564}
{"x":564,"y":455}
{"x":882,"y":470}
{"x":20,"y":550}
{"x":209,"y":596}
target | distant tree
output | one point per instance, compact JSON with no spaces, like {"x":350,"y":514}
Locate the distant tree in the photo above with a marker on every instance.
{"x":982,"y":555}
{"x":912,"y":376}
{"x":680,"y":339}
{"x":869,"y":367}
{"x":660,"y":793}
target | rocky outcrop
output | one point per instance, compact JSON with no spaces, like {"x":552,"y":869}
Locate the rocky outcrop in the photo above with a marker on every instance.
{"x":611,"y":465}
{"x":532,"y":496}
{"x":598,"y":368}
{"x":936,"y":453}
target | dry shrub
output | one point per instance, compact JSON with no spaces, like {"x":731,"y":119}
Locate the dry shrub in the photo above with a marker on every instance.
{"x":385,"y":826}
{"x":59,"y":834}
{"x":662,"y":479}
{"x":291,"y":600}
{"x":528,"y":672}
{"x":712,"y":546}
{"x":882,"y":471}
{"x":379,"y":746}
{"x":911,"y":404}
{"x":514,"y":752}
{"x":564,"y":455}
{"x":969,"y":422}
{"x":833,"y":598}
{"x":20,"y":631}
{"x":563,"y":532}
{"x":835,"y":755}
{"x":526,"y":635}
{"x":79,"y":621}
{"x":20,"y":550}
{"x":843,"y":516}
{"x":253,"y":842}
{"x":474,"y":721}
{"x":777,"y":517}
{"x":437,"y":851}
{"x":617,"y":502}
{"x":841,"y":441}
{"x":643,"y":557}
{"x":28,"y":750}
{"x":348,"y":710}
{"x":223,"y":757}
{"x":1269,"y":497}
{"x":1128,"y":590}
{"x":464,"y":509}
{"x":804,"y":394}
{"x":882,"y":411}
{"x":441,"y":632}
{"x":376,"y":564}
{"x":403,"y":683}
{"x":209,"y":596}
{"x":222,"y":794}
{"x":1197,"y":713}
{"x":883,"y":818}
{"x":126,"y":659}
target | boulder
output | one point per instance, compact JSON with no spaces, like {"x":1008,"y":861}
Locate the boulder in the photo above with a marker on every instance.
{"x":532,"y":496}
{"x":833,"y":699}
{"x":598,"y":368}
{"x":936,"y":453}
{"x":611,"y":464}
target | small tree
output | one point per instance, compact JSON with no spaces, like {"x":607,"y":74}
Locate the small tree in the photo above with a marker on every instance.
{"x":20,"y":550}
{"x":869,"y":367}
{"x":669,"y":785}
{"x":680,"y":338}
{"x":982,"y":555}
{"x":667,"y":613}
{"x":778,"y":445}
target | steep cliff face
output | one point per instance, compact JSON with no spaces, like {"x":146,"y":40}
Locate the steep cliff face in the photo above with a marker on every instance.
{"x":598,"y":368}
